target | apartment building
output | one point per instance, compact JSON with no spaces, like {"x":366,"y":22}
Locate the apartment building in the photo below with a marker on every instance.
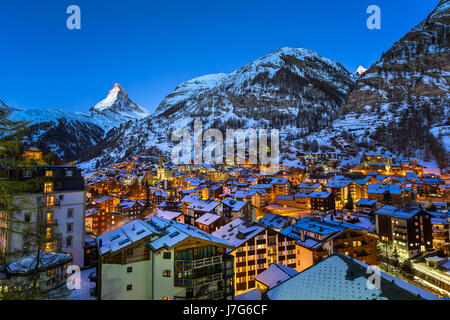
{"x":410,"y":230}
{"x":160,"y":259}
{"x":59,"y":203}
{"x":255,"y":249}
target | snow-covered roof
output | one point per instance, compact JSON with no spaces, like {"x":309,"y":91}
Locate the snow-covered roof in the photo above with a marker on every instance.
{"x":46,"y":260}
{"x":204,"y":205}
{"x":253,"y":294}
{"x":175,"y":232}
{"x":207,"y":219}
{"x":339,"y":277}
{"x":275,"y":274}
{"x":274,"y":220}
{"x":124,"y":236}
{"x":366,"y":202}
{"x":235,"y":205}
{"x":191,"y":199}
{"x":380,"y":188}
{"x":398,"y":212}
{"x":169,"y":215}
{"x":103,"y":199}
{"x":238,"y":231}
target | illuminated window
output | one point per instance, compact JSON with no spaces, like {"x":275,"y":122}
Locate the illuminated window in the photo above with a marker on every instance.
{"x":166,"y":273}
{"x":48,"y":233}
{"x":48,"y":173}
{"x":49,"y":217}
{"x":49,"y":200}
{"x":48,"y":187}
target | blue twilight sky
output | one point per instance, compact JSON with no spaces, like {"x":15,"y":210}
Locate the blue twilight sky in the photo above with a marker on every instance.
{"x":151,"y":46}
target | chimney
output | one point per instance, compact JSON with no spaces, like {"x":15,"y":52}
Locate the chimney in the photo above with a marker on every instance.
{"x":302,"y":235}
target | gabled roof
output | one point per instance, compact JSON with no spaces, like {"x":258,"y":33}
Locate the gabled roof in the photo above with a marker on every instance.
{"x":204,"y":205}
{"x":235,"y":205}
{"x":124,"y":236}
{"x":275,"y":274}
{"x":274,"y":220}
{"x":175,"y":232}
{"x":208,"y":218}
{"x":238,"y":231}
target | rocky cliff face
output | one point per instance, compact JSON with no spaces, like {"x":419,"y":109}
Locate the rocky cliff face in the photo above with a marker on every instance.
{"x":409,"y":89}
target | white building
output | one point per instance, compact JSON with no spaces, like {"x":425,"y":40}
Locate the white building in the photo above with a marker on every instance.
{"x":159,"y":259}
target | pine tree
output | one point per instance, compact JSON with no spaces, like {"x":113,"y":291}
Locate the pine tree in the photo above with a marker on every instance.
{"x":395,"y":259}
{"x":14,"y":198}
{"x":387,"y":198}
{"x":349,"y":205}
{"x":408,"y":268}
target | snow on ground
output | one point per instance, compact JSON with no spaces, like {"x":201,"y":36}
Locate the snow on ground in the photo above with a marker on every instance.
{"x":83,"y":293}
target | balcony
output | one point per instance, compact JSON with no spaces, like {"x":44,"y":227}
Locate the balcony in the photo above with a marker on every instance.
{"x":200,"y":281}
{"x":198,"y":263}
{"x":218,"y":295}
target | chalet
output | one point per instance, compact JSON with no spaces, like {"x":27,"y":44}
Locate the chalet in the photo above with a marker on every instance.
{"x":176,"y":260}
{"x":131,"y":209}
{"x":210,"y":222}
{"x":317,"y":239}
{"x":368,"y":206}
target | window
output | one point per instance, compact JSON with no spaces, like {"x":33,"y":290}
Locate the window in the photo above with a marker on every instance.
{"x":27,"y":217}
{"x":70,"y":213}
{"x":129,"y":287}
{"x":49,"y":200}
{"x":69,"y":173}
{"x":69,"y":227}
{"x":48,"y":173}
{"x":49,"y":217}
{"x":48,"y":233}
{"x":69,"y":242}
{"x":48,"y":187}
{"x":129,"y":269}
{"x":166,"y":255}
{"x":166,"y":273}
{"x":26,"y":173}
{"x":130,"y":252}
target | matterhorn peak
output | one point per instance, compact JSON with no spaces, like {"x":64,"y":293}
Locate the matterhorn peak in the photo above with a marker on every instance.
{"x":361,"y":70}
{"x":117,"y":107}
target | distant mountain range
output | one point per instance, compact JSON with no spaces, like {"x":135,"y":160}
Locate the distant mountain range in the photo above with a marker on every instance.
{"x":67,"y":134}
{"x":400,"y":104}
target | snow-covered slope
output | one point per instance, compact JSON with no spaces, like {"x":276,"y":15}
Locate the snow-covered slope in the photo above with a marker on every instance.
{"x":115,"y":109}
{"x":295,"y":90}
{"x":66,"y":133}
{"x":407,"y":92}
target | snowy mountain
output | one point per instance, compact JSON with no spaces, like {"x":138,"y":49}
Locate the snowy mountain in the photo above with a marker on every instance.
{"x":66,"y":134}
{"x":405,"y":95}
{"x":361,"y":70}
{"x":296,"y":90}
{"x":116,"y":108}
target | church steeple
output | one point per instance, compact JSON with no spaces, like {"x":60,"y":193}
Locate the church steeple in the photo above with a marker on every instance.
{"x":161,"y":162}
